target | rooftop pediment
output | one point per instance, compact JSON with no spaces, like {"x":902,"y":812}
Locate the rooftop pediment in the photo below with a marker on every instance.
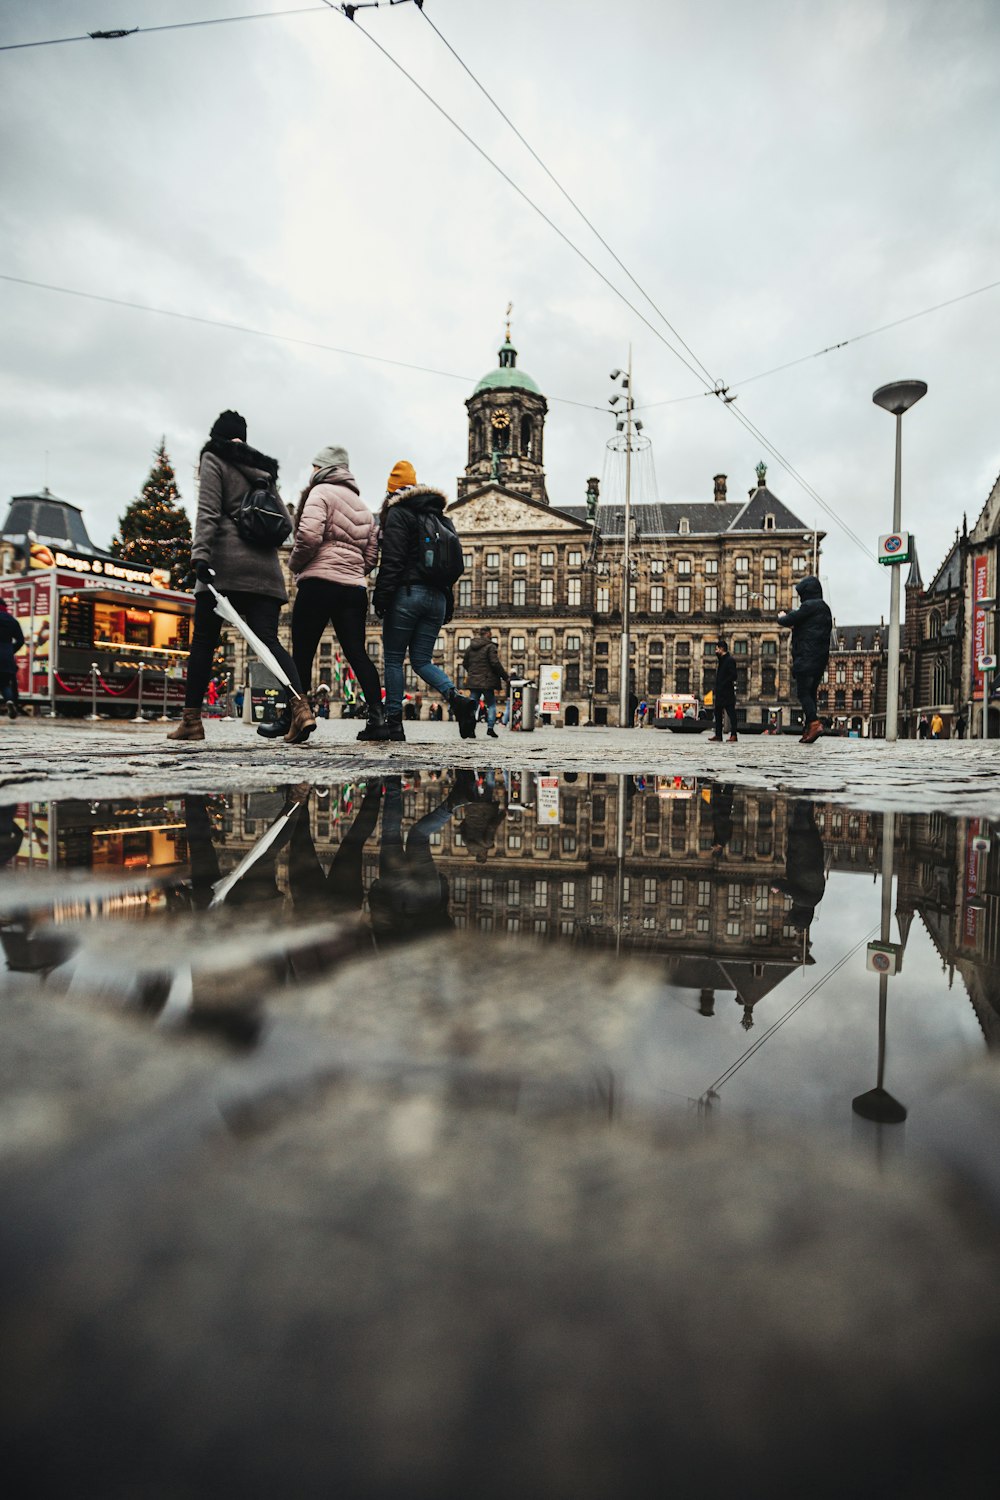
{"x":495,"y":508}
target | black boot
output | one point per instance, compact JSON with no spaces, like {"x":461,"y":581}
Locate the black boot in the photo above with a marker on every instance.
{"x":465,"y":711}
{"x":394,"y":727}
{"x":491,"y":733}
{"x":377,"y":727}
{"x":279,"y":725}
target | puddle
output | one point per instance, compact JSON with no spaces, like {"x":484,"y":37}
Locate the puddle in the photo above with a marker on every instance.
{"x":751,"y":913}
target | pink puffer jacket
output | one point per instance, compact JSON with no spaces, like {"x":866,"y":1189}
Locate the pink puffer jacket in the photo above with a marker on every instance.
{"x":336,"y":537}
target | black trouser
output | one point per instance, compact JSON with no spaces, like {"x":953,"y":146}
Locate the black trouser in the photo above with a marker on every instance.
{"x":261,"y":614}
{"x":806,"y":684}
{"x":320,"y":603}
{"x":341,"y":889}
{"x":726,"y":705}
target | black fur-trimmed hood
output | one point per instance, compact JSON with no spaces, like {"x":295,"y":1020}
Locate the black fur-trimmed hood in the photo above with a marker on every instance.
{"x":241,"y":456}
{"x":418,"y":497}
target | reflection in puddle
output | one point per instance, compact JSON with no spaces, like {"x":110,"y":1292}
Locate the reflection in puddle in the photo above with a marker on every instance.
{"x":773,"y":925}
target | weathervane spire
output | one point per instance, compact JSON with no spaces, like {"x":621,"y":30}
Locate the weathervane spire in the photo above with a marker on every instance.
{"x":510,"y":309}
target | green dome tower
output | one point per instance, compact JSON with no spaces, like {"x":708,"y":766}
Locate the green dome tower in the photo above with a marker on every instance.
{"x":506,"y":431}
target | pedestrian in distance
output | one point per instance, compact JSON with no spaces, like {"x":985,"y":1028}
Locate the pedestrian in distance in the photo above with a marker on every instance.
{"x":420,"y":562}
{"x":937,"y":727}
{"x":960,"y":727}
{"x":336,"y":547}
{"x":247,"y":573}
{"x":725,"y":693}
{"x":811,"y":626}
{"x":11,"y":642}
{"x":923,"y":727}
{"x":484,"y":673}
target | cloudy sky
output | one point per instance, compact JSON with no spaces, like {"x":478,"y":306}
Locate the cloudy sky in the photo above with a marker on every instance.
{"x":778,"y":177}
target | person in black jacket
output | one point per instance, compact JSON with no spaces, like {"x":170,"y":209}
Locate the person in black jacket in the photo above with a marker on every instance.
{"x":805,"y":866}
{"x":412,"y":606}
{"x":11,"y":641}
{"x":811,"y":626}
{"x":725,"y":693}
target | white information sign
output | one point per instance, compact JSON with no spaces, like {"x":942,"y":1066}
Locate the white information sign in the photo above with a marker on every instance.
{"x":548,"y":799}
{"x":894,"y":547}
{"x":550,"y":690}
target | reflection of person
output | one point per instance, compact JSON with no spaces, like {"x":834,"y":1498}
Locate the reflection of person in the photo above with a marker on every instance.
{"x":722,"y":816}
{"x":725,"y":692}
{"x":11,"y":835}
{"x":481,"y":817}
{"x":805,"y":866}
{"x":341,"y":888}
{"x":249,"y":576}
{"x":485,"y":673}
{"x":11,"y":641}
{"x":409,"y":898}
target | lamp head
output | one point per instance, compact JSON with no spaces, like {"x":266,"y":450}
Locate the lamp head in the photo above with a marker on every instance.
{"x":899,"y":395}
{"x":614,"y":374}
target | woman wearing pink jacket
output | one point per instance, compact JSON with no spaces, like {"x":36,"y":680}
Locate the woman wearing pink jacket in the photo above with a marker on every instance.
{"x":336,"y":547}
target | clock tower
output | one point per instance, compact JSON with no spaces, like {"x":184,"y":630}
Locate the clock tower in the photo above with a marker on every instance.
{"x":506,"y":429}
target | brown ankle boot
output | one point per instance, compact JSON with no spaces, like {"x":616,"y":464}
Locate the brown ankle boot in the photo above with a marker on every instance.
{"x":302,"y":724}
{"x":190,"y":727}
{"x":813,"y":732}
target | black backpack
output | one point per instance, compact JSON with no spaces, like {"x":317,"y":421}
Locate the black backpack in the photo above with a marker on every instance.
{"x":439,"y":552}
{"x":260,"y":519}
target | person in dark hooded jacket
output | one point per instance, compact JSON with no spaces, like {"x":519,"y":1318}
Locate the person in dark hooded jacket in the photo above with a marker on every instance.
{"x":805,"y":866}
{"x":811,"y":626}
{"x":412,"y":610}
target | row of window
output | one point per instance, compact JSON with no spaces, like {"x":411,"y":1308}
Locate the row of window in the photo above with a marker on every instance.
{"x":685,"y":600}
{"x":538,"y":892}
{"x":683,"y":566}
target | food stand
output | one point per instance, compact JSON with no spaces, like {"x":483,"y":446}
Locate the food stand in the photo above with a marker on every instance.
{"x":98,"y":632}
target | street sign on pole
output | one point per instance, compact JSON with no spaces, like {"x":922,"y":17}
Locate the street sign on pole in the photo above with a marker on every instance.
{"x":883,"y":958}
{"x":894,"y":547}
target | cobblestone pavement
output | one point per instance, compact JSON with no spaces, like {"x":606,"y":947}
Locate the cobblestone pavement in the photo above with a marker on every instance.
{"x":60,"y":758}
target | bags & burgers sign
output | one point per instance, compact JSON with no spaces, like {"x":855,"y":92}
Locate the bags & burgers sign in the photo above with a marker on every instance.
{"x":98,"y":568}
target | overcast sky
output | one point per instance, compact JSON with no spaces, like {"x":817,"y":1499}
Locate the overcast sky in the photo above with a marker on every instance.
{"x":778,"y":177}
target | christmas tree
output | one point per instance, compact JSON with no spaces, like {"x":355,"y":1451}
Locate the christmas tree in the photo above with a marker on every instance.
{"x":155,"y":530}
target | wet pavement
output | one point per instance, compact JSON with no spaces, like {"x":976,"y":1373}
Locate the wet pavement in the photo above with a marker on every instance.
{"x":419,"y":1132}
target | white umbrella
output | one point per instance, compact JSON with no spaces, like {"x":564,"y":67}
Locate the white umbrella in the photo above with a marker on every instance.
{"x":264,"y":653}
{"x":222,"y":887}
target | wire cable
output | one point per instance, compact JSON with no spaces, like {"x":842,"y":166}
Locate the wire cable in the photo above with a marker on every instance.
{"x":792,"y":1010}
{"x":832,"y":348}
{"x":567,"y":195}
{"x":530,"y":202}
{"x":118,"y":33}
{"x":262,"y":333}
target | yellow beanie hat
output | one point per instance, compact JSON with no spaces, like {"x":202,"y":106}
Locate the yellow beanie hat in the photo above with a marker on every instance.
{"x":402,"y":476}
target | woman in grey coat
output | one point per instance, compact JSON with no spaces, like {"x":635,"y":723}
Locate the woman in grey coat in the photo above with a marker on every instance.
{"x":250,"y":577}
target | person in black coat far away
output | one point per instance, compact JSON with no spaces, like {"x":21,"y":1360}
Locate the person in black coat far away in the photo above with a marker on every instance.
{"x":11,"y":641}
{"x":725,"y":693}
{"x":811,"y":626}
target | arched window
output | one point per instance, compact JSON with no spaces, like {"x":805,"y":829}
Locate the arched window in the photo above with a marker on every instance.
{"x":526,"y":436}
{"x":476,"y":444}
{"x":933,"y":625}
{"x":940,"y":681}
{"x":684,"y":526}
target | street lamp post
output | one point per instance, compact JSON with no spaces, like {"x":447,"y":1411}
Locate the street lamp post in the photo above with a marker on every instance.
{"x":896,"y":398}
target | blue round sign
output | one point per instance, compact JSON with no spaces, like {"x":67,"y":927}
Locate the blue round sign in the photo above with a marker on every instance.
{"x":893,"y":543}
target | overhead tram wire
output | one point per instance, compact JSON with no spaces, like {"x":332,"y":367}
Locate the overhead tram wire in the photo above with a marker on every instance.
{"x":717,"y":391}
{"x":832,"y":348}
{"x":567,"y":195}
{"x":262,"y":333}
{"x":118,"y":33}
{"x":529,"y":201}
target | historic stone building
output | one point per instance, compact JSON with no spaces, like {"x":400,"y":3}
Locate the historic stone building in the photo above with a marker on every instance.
{"x":931,"y":666}
{"x":548,"y":578}
{"x":849,"y":690}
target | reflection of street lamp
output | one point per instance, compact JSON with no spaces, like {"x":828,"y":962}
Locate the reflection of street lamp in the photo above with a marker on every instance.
{"x":625,"y":423}
{"x":897,"y":398}
{"x":878,"y":1104}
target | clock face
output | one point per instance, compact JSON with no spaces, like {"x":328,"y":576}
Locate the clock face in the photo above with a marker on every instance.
{"x":500,"y":419}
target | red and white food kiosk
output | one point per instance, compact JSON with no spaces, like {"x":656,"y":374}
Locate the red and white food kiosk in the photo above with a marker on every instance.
{"x":97,"y":630}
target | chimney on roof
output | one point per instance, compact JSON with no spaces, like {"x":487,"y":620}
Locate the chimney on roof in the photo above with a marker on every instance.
{"x":593,"y":491}
{"x":720,"y":489}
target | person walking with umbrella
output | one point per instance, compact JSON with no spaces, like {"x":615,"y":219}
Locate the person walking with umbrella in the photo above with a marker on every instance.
{"x":247,"y":576}
{"x":336,"y":547}
{"x":811,"y":626}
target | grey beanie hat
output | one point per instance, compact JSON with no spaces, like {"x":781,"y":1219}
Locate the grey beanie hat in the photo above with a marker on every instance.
{"x":331,"y":457}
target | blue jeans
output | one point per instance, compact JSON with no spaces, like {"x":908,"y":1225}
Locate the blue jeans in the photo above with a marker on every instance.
{"x":489,"y":697}
{"x":412,"y":624}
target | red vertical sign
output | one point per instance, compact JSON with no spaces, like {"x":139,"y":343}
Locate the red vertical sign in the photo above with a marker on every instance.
{"x":970,"y":885}
{"x":980,"y":574}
